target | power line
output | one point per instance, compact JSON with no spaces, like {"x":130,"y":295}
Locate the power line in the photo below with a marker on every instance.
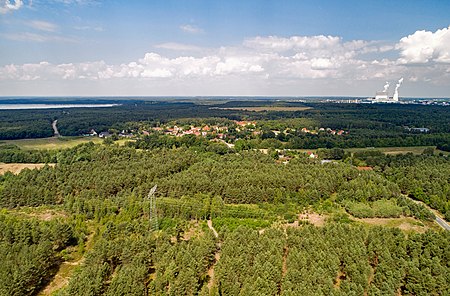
{"x":153,"y":217}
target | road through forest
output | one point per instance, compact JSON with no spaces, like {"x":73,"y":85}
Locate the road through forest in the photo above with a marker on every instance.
{"x":437,"y":218}
{"x":55,"y":129}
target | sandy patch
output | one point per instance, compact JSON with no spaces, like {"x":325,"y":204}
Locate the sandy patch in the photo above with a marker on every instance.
{"x":16,"y":168}
{"x":46,"y":215}
{"x":193,"y":231}
{"x":313,"y":218}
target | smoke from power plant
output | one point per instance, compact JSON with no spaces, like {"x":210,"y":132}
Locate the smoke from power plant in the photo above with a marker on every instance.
{"x":383,"y":96}
{"x":397,"y":86}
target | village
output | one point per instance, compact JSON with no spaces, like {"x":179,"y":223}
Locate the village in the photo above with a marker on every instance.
{"x":227,"y":133}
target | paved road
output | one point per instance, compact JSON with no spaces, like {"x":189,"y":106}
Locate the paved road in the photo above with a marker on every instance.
{"x":55,"y":129}
{"x":441,"y":222}
{"x":437,"y":219}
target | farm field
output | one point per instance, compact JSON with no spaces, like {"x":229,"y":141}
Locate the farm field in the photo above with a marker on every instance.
{"x":397,"y":150}
{"x":16,"y":168}
{"x":387,"y":150}
{"x":50,"y":143}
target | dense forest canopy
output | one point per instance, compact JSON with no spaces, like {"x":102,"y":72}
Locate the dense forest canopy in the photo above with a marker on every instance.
{"x":368,"y":125}
{"x":232,"y":220}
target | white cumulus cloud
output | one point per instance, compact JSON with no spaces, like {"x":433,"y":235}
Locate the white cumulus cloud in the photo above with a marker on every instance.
{"x":270,"y":61}
{"x":10,"y":5}
{"x":425,"y":46}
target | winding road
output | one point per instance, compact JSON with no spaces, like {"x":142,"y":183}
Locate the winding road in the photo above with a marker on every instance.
{"x":437,"y":218}
{"x":55,"y":129}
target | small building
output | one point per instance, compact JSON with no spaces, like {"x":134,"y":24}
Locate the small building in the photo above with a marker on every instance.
{"x":104,"y":135}
{"x":126,"y":135}
{"x":381,"y":96}
{"x":311,"y":154}
{"x":421,"y":129}
{"x":364,"y":168}
{"x":245,"y":123}
{"x":93,"y":133}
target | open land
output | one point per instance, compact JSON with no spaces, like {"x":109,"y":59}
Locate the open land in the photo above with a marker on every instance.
{"x":16,"y":168}
{"x":398,"y":150}
{"x":50,"y":143}
{"x":55,"y":143}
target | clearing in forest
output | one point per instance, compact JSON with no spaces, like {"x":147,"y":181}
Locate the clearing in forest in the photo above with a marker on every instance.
{"x":397,"y":150}
{"x":313,"y":218}
{"x":41,"y":213}
{"x":404,"y":223}
{"x":66,"y":269}
{"x":16,"y":168}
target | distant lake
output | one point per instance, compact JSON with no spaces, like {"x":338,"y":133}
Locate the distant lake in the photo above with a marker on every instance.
{"x":52,"y":106}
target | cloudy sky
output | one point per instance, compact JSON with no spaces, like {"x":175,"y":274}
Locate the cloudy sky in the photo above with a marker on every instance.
{"x":233,"y":47}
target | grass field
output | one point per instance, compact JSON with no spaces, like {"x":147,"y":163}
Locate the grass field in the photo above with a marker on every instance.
{"x":387,"y":150}
{"x":407,"y":224}
{"x":50,"y":143}
{"x":397,"y":150}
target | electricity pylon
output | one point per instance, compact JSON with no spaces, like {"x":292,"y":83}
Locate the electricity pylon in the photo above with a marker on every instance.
{"x":153,"y":218}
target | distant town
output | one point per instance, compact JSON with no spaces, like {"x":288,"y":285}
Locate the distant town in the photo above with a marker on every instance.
{"x":228,"y":134}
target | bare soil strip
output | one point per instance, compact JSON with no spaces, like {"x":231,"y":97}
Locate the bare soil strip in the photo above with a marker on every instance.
{"x":65,"y":271}
{"x":16,"y":168}
{"x":313,"y":218}
{"x":212,"y":228}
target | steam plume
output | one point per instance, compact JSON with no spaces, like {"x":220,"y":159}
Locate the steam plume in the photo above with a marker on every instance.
{"x":386,"y":86}
{"x":398,"y":84}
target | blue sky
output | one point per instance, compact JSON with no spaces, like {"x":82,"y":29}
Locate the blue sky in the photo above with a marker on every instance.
{"x":82,"y":47}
